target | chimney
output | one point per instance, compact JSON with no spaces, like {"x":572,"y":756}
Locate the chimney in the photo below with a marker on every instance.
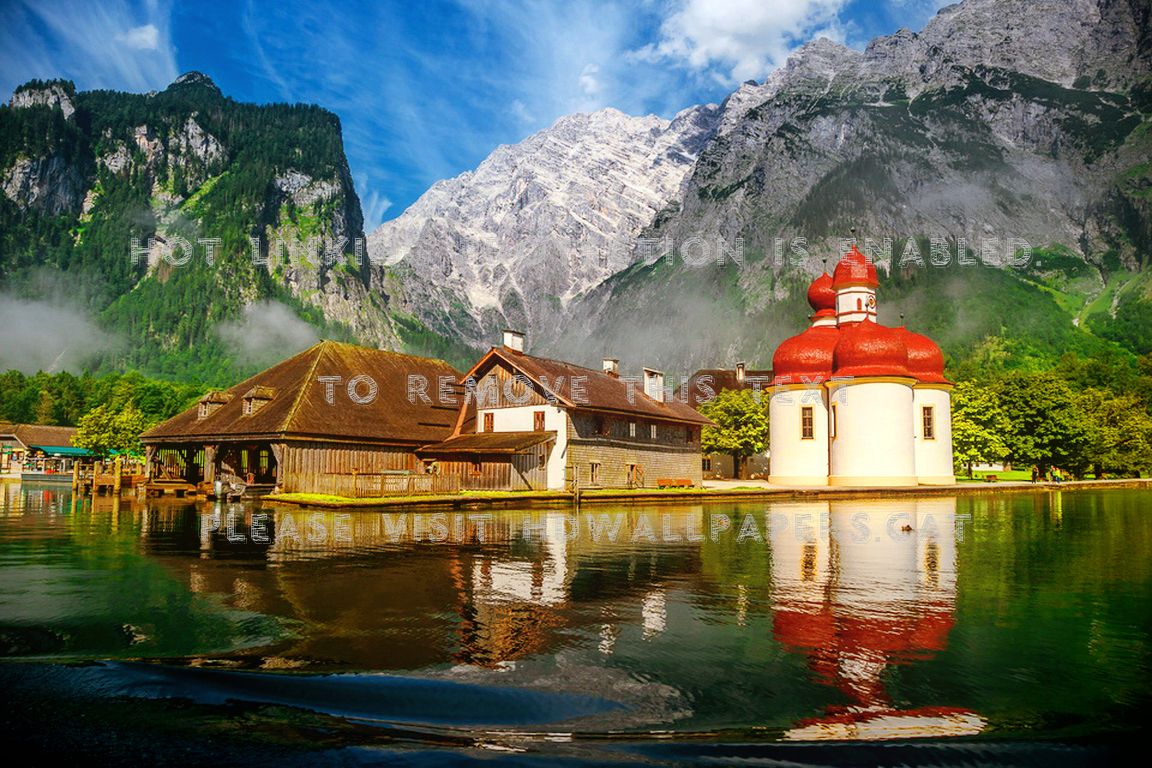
{"x":654,"y":384}
{"x":611,"y":367}
{"x":740,"y":373}
{"x":514,"y":340}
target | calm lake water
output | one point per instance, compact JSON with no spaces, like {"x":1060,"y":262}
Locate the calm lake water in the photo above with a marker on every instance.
{"x":978,"y":619}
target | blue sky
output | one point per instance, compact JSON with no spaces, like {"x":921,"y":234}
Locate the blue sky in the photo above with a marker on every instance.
{"x":425,"y":90}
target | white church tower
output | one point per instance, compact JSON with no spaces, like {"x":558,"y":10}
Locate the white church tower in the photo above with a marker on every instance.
{"x":855,"y":402}
{"x":798,"y":411}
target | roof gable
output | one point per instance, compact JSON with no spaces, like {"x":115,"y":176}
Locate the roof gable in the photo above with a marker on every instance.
{"x":580,"y":388}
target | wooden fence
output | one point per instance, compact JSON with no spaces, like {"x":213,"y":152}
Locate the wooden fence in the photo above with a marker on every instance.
{"x":359,"y":485}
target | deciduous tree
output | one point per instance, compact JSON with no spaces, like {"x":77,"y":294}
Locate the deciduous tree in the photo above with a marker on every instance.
{"x":979,"y":426}
{"x":103,"y":431}
{"x":741,"y":426}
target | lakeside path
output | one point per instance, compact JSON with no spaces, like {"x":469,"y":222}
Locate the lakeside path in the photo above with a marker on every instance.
{"x":714,"y":491}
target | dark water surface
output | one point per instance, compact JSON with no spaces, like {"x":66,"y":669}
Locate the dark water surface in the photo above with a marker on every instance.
{"x":994,"y":629}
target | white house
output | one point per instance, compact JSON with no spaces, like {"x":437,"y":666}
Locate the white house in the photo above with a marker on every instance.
{"x":533,"y":423}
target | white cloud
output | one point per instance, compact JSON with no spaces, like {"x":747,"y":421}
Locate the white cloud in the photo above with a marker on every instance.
{"x":373,"y":204}
{"x":740,"y":39}
{"x":521,"y":112}
{"x":589,"y":83}
{"x":143,"y":38}
{"x":49,"y":335}
{"x":118,"y":44}
{"x":267,"y":332}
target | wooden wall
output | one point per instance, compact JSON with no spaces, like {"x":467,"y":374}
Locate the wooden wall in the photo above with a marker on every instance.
{"x":652,"y":462}
{"x":493,"y":390}
{"x":360,"y":486}
{"x":499,"y":472}
{"x":307,"y":467}
{"x":181,"y":462}
{"x":594,"y":426}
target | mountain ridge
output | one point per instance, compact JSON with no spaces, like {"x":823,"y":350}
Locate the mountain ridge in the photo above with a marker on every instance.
{"x":999,"y":119}
{"x":907,"y":139}
{"x":538,"y":222}
{"x":150,"y":202}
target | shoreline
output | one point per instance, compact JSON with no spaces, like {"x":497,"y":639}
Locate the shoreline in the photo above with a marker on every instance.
{"x":505,"y":499}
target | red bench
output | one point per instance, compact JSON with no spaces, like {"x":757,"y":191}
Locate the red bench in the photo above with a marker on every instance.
{"x":674,"y":482}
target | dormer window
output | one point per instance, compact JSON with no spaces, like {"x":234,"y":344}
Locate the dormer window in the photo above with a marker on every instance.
{"x":210,"y":403}
{"x":256,"y":398}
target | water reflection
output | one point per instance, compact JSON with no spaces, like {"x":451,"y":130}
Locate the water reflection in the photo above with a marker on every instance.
{"x":404,"y":590}
{"x":861,"y":586}
{"x":809,"y":620}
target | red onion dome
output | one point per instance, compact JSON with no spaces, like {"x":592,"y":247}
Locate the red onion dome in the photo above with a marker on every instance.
{"x":854,"y":268}
{"x":925,"y":360}
{"x":805,"y":358}
{"x":821,"y":294}
{"x":869,"y":349}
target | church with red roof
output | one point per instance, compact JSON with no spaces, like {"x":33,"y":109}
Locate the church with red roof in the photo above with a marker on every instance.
{"x":855,"y":402}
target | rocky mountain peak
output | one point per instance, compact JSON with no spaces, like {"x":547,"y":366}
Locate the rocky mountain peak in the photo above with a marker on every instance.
{"x":1062,"y":41}
{"x":197,"y":79}
{"x":820,"y":60}
{"x":539,"y":222}
{"x":53,"y":93}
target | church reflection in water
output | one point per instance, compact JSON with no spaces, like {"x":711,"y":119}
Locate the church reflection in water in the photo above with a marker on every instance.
{"x":859,"y":588}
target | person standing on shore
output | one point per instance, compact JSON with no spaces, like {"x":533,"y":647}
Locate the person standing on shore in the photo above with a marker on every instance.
{"x":1035,"y":474}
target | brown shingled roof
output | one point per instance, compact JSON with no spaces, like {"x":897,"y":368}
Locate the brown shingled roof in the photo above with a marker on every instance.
{"x":39,"y":434}
{"x":600,"y":391}
{"x":718,"y":379}
{"x":490,"y":442}
{"x":299,"y":407}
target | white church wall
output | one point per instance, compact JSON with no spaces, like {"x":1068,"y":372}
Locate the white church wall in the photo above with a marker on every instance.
{"x":873,"y":442}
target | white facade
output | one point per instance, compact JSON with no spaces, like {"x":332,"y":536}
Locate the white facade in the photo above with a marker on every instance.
{"x":933,"y":451}
{"x":873,"y":441}
{"x":522,"y":418}
{"x":797,"y":459}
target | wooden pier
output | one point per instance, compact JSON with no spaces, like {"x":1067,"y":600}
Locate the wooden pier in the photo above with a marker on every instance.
{"x":100,"y":477}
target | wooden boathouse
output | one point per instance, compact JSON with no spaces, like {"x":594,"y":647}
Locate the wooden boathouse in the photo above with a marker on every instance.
{"x":336,"y":418}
